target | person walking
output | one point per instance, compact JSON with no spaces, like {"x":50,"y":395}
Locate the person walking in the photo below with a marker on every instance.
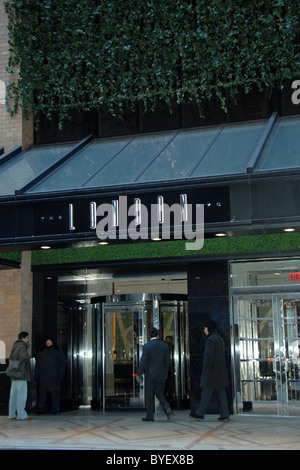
{"x":49,"y":371}
{"x":155,"y":363}
{"x":214,"y":374}
{"x":18,"y":390}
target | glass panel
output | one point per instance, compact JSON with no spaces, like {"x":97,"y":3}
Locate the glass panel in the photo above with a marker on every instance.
{"x":169,"y":329}
{"x":173,"y":325}
{"x":129,"y":163}
{"x":282,"y":149}
{"x":256,"y":352}
{"x":179,"y":157}
{"x":291,"y":313}
{"x":231,"y":151}
{"x":97,"y":336}
{"x":75,"y":339}
{"x":123,"y":339}
{"x":76,"y":171}
{"x":25,"y":167}
{"x":185,"y":351}
{"x":66,"y":324}
{"x":265,"y":273}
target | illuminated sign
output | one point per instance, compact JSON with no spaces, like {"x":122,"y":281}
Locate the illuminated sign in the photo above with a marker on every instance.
{"x":294,"y":277}
{"x":113,"y":215}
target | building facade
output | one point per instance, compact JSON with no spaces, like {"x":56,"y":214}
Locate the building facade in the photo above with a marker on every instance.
{"x":103,"y":237}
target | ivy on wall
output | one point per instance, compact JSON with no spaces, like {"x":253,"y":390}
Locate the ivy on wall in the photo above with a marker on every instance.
{"x":73,"y":55}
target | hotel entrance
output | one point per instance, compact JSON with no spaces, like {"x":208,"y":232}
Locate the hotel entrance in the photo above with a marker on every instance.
{"x":102,"y":329}
{"x":266,"y":342}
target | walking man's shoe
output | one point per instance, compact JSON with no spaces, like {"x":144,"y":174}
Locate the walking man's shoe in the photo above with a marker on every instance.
{"x":194,"y":415}
{"x":168,"y":413}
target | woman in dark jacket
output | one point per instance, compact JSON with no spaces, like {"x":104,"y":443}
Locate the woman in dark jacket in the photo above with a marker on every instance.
{"x":214,"y":374}
{"x":49,"y":371}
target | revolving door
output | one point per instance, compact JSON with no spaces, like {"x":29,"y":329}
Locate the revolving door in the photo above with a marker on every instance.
{"x":122,"y":327}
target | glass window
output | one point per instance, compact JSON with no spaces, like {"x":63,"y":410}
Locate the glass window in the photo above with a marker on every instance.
{"x":22,"y":169}
{"x":282,"y":149}
{"x":127,"y":165}
{"x":265,"y":273}
{"x":232,"y":150}
{"x":178,"y":159}
{"x":76,"y":171}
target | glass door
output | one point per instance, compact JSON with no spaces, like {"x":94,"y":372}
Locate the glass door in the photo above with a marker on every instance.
{"x":124,"y":329}
{"x":290,"y":362}
{"x":173,"y":321}
{"x":266,"y":353}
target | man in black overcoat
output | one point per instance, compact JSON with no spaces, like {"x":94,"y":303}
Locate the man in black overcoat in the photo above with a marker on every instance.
{"x":49,"y":371}
{"x":155,"y":363}
{"x":214,"y":373}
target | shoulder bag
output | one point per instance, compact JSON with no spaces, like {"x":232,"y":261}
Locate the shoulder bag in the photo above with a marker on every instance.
{"x":15,"y":369}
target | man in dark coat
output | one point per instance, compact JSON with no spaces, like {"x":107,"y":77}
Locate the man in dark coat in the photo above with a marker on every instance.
{"x":214,"y":373}
{"x":49,"y":371}
{"x":155,"y":363}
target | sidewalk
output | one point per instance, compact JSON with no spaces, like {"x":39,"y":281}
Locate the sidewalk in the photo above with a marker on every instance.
{"x":85,"y":429}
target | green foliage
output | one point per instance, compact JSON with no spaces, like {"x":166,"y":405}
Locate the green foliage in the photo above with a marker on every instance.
{"x":89,"y":54}
{"x":279,"y":243}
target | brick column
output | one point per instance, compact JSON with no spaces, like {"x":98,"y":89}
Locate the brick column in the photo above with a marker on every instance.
{"x":10,"y":307}
{"x":15,"y":284}
{"x":17,"y":130}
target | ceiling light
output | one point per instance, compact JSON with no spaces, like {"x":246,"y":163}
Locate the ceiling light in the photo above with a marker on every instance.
{"x":220,"y":234}
{"x":45,"y":247}
{"x":289,"y":229}
{"x":103,"y":243}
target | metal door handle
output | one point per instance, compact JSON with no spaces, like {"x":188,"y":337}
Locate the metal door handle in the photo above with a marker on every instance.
{"x":276,"y":360}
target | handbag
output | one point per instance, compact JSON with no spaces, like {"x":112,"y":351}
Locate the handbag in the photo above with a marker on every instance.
{"x":15,"y":369}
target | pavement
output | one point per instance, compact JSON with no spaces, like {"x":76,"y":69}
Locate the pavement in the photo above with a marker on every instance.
{"x":118,"y":431}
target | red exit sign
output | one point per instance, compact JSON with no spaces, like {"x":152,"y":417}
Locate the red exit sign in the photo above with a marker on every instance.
{"x":294,"y":277}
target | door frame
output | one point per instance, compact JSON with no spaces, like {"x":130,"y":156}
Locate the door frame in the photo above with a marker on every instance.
{"x":139,"y":305}
{"x":280,"y":362}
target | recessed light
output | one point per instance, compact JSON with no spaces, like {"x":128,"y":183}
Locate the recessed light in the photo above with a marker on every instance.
{"x":220,"y":234}
{"x":289,"y":229}
{"x":103,"y":243}
{"x":156,"y":239}
{"x":45,"y":247}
